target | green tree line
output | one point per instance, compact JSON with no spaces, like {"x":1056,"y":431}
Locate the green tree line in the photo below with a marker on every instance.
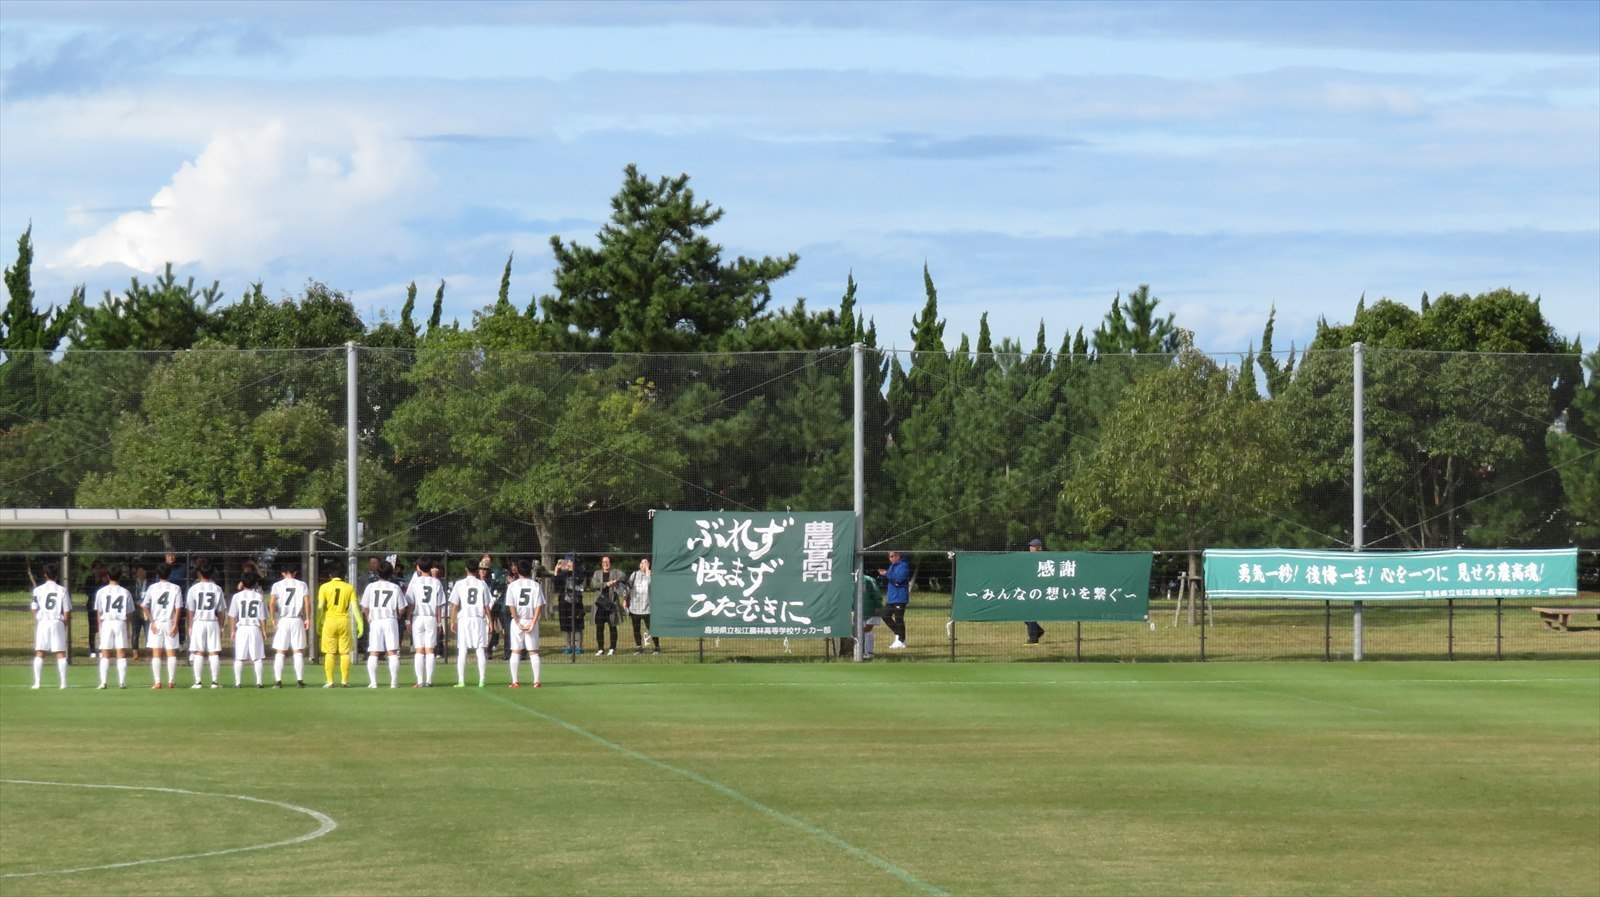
{"x":659,"y":373}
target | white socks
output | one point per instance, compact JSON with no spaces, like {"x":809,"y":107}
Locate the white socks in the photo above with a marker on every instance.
{"x":417,"y":665}
{"x":194,"y":660}
{"x":216,"y":667}
{"x":394,"y":670}
{"x":533,"y":663}
{"x":299,"y":667}
{"x":482,"y":662}
{"x":432,"y":659}
{"x":372,"y":670}
{"x":61,"y":670}
{"x":277,"y":669}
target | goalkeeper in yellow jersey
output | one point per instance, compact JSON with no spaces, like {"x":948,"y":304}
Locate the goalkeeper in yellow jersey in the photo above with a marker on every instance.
{"x":337,"y":616}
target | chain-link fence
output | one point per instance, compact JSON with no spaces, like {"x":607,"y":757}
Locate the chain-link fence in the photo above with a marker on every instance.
{"x":464,"y":447}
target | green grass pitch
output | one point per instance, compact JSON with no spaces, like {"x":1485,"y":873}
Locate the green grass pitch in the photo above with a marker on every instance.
{"x":1377,"y":778}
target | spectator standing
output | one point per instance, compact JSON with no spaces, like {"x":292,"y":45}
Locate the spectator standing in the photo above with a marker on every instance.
{"x":136,"y":620}
{"x":637,"y":602}
{"x":92,"y":584}
{"x":500,"y":614}
{"x":1035,"y":631}
{"x":607,"y":583}
{"x":569,"y":594}
{"x":897,"y":579}
{"x":180,"y":578}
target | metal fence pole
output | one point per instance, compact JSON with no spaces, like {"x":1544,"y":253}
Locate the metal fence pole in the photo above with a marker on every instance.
{"x":351,"y":482}
{"x":66,"y":583}
{"x":859,"y":478}
{"x":1450,"y":628}
{"x":1358,"y":475}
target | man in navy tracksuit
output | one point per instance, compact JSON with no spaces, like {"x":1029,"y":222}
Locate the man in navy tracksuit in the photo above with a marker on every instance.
{"x":897,"y":594}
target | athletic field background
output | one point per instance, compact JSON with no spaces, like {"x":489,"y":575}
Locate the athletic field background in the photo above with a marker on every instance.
{"x":903,"y":778}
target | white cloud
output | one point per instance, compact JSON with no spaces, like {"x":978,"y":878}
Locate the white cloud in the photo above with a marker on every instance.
{"x":255,"y":194}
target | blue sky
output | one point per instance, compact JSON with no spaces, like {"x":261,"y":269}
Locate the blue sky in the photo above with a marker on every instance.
{"x":1038,"y":157}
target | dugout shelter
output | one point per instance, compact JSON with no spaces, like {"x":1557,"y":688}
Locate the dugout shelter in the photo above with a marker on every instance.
{"x":306,"y":521}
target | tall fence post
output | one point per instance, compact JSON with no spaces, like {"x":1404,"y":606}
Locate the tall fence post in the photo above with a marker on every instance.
{"x":1358,"y":447}
{"x":351,"y":482}
{"x":66,"y":583}
{"x":859,"y":480}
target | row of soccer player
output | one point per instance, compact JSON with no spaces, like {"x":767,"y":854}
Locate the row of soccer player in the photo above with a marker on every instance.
{"x":382,"y":606}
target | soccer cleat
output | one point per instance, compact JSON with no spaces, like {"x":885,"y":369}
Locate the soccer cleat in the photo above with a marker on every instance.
{"x":512,"y":685}
{"x":459,"y":685}
{"x":324,"y":685}
{"x":600,"y":652}
{"x":416,"y":685}
{"x":535,"y":685}
{"x":610,"y":651}
{"x":637,"y":652}
{"x":64,"y":685}
{"x":299,"y":683}
{"x":480,"y":683}
{"x":35,"y":686}
{"x":100,"y":687}
{"x":238,"y":685}
{"x":277,"y":685}
{"x":123,"y":686}
{"x":656,"y":651}
{"x":259,"y":685}
{"x":897,"y":645}
{"x":216,"y":685}
{"x":156,"y":686}
{"x":197,"y":685}
{"x":372,"y":685}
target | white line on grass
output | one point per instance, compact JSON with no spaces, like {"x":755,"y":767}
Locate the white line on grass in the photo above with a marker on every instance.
{"x":812,"y":830}
{"x":325,"y":824}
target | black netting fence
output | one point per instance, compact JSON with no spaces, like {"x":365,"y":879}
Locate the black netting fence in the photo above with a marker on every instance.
{"x":465,"y":447}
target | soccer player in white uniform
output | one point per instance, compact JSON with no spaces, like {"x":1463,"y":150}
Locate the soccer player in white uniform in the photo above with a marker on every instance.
{"x":427,"y":597}
{"x":291,"y":597}
{"x":205,"y":607}
{"x":246,"y":614}
{"x":525,"y":601}
{"x":470,"y":601}
{"x":162,"y":604}
{"x":113,"y":603}
{"x":382,"y":601}
{"x":52,"y":607}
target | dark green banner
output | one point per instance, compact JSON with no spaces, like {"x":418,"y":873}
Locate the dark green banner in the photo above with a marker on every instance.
{"x":1391,"y":575}
{"x":1052,"y":585}
{"x":773,"y":575}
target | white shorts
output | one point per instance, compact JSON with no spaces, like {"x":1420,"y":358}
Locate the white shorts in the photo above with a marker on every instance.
{"x":113,"y":635}
{"x":290,"y":635}
{"x":524,"y":641}
{"x":248,"y":643}
{"x":425,"y":633}
{"x":160,"y":639}
{"x":50,"y":635}
{"x":205,"y":637}
{"x":473,"y":633}
{"x":383,"y":635}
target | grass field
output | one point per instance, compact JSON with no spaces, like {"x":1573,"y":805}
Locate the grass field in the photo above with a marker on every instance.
{"x":1395,"y":778}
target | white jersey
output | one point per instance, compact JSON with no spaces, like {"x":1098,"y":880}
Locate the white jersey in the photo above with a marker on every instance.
{"x":426,"y":593}
{"x":523,"y":597}
{"x":113,"y":603}
{"x":248,"y":608}
{"x":290,"y":596}
{"x":383,"y":600}
{"x":204,"y":602}
{"x":162,"y":600}
{"x":50,"y":603}
{"x":471,"y":598}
